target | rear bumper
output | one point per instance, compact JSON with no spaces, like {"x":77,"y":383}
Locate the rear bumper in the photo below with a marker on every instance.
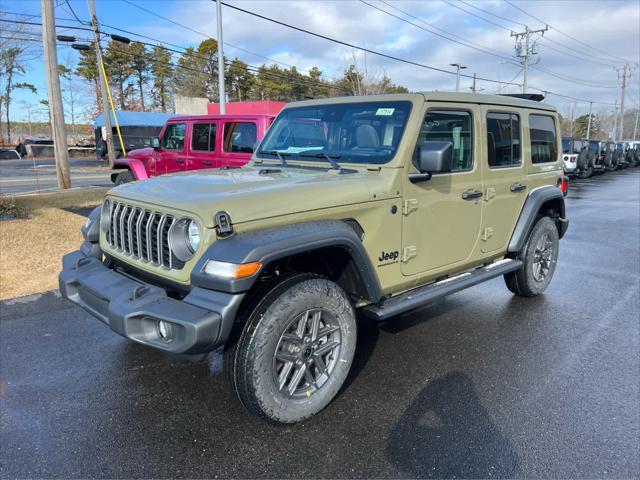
{"x":199,"y":322}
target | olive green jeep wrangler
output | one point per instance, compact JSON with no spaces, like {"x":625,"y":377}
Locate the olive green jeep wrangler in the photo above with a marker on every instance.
{"x":377,"y":204}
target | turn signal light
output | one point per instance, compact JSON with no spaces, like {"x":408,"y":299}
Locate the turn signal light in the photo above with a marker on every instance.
{"x":565,"y":186}
{"x":231,"y":271}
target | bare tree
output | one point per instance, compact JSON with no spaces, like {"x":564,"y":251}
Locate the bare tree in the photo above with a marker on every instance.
{"x":19,"y":45}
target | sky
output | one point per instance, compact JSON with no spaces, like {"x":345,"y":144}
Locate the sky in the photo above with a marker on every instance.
{"x":580,"y":55}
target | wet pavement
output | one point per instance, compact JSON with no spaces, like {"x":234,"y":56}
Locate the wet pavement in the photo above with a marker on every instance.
{"x":480,"y":385}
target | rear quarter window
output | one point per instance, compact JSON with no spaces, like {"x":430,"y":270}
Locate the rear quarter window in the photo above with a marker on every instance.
{"x":544,"y":141}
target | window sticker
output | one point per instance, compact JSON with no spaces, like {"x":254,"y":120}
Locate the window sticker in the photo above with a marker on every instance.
{"x":385,"y":112}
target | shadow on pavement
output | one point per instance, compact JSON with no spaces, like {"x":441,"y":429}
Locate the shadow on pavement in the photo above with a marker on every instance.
{"x":447,"y":433}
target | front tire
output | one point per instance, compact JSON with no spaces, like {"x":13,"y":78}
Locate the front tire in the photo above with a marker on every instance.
{"x":124,"y":177}
{"x":539,"y":257}
{"x":295,"y":350}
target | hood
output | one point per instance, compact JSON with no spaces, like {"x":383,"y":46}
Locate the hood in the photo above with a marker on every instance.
{"x":140,"y":153}
{"x":249,"y":193}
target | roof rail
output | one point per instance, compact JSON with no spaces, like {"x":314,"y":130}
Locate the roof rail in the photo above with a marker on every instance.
{"x":536,"y":97}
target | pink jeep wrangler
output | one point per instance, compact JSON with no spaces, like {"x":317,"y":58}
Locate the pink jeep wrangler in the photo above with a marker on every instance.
{"x":194,"y":142}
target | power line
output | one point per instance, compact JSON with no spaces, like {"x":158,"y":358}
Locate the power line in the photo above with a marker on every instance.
{"x":547,"y":39}
{"x":563,"y":33}
{"x":202,"y":34}
{"x":352,"y":45}
{"x":508,"y":20}
{"x":463,"y":43}
{"x":451,"y":4}
{"x":481,"y":48}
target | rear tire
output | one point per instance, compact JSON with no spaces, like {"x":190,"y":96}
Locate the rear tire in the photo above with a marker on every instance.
{"x":295,"y":350}
{"x":539,"y":257}
{"x":124,"y":177}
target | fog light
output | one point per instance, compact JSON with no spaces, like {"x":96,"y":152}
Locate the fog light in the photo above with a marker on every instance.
{"x":164,"y":330}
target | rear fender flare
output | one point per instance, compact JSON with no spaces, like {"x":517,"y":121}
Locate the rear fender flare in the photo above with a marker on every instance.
{"x":534,"y":202}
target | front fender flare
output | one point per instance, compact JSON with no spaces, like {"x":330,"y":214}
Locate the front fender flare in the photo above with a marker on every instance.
{"x":532,"y":205}
{"x":134,"y":165}
{"x":274,"y":243}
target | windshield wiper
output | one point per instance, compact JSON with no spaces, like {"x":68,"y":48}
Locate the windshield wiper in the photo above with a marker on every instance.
{"x":278,"y":154}
{"x":330,"y":158}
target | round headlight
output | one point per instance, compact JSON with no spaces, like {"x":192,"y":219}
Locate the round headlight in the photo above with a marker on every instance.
{"x":105,"y":216}
{"x":184,"y":239}
{"x":193,"y":235}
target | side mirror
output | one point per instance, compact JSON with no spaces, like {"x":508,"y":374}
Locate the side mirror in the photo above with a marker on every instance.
{"x":155,"y":143}
{"x":432,"y":157}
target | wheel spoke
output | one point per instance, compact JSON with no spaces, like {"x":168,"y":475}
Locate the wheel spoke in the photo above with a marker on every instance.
{"x":319,"y":363}
{"x":284,"y":374}
{"x":326,"y":347}
{"x":315,"y":324}
{"x":308,"y":376}
{"x":285,"y":356}
{"x":302,"y":324}
{"x":292,"y":338}
{"x":327,"y":330}
{"x":295,"y":380}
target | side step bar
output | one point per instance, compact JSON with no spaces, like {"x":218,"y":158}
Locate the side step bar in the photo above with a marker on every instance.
{"x":419,"y":297}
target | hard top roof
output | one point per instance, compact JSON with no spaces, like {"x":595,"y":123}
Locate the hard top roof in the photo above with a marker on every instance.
{"x":453,"y":97}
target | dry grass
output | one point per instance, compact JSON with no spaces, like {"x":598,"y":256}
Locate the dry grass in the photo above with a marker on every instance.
{"x":31,"y":250}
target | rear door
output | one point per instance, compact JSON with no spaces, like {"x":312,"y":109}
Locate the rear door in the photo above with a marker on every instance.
{"x":238,"y":141}
{"x":204,"y":152}
{"x":504,"y":178}
{"x":172,"y":156}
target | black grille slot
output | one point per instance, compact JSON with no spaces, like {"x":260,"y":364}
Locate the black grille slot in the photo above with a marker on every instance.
{"x":142,"y":234}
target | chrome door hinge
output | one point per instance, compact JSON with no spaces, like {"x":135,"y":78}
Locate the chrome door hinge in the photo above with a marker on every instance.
{"x":408,"y":253}
{"x":487,"y":233}
{"x":410,"y":204}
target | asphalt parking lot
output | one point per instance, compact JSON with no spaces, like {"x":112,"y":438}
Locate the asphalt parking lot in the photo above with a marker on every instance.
{"x":480,"y":385}
{"x":39,"y":175}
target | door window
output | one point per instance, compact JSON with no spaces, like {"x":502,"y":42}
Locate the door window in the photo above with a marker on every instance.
{"x":544,"y":142}
{"x":173,"y":138}
{"x":204,"y":137}
{"x":450,"y":126}
{"x":240,"y":137}
{"x":503,"y":140}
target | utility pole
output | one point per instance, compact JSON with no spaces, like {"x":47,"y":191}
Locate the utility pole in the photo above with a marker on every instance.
{"x":223,"y":98}
{"x":589,"y":122}
{"x":615,"y":120}
{"x":55,"y":95}
{"x":459,"y":67}
{"x":635,"y":128}
{"x":473,"y":87}
{"x":527,"y":50}
{"x":626,"y":72}
{"x":103,"y":84}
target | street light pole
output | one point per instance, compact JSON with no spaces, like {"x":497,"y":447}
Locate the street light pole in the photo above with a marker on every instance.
{"x":459,"y":67}
{"x":223,"y":99}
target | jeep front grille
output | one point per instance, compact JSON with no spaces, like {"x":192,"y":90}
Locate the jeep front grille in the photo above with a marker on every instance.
{"x":142,"y":234}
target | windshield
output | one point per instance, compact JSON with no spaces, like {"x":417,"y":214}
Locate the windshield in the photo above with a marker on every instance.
{"x":595,"y":145}
{"x":366,"y":132}
{"x":566,"y":145}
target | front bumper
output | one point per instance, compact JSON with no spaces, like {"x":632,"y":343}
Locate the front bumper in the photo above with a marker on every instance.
{"x":199,"y":322}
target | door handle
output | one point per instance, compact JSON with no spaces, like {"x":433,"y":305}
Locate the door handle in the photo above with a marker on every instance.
{"x":471,"y":195}
{"x":208,"y":164}
{"x":179,"y":160}
{"x":518,"y":187}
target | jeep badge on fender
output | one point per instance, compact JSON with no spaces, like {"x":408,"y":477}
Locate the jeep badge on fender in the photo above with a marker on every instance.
{"x":307,"y":229}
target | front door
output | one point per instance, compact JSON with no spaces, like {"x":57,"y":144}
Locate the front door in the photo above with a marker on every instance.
{"x":239,"y":138}
{"x":505,"y":188}
{"x":172,"y":155}
{"x":441,"y":216}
